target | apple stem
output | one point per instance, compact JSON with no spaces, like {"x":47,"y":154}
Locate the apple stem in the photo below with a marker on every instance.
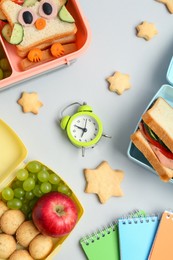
{"x":60,"y":210}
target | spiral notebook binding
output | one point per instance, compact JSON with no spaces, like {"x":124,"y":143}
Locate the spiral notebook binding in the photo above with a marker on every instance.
{"x":169,"y":214}
{"x":99,"y":234}
{"x":139,"y":219}
{"x":134,"y":214}
{"x":106,"y":230}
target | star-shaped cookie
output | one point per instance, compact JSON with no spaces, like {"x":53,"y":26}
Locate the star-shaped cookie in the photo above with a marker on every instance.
{"x":29,"y":102}
{"x":119,"y":82}
{"x":104,"y":181}
{"x":168,"y":3}
{"x":146,"y":30}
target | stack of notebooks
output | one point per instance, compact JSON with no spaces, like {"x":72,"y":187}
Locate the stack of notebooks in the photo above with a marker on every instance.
{"x":136,"y":237}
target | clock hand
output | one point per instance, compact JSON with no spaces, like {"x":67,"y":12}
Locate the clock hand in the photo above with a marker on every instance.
{"x":85,"y":123}
{"x":79,"y":127}
{"x":84,"y":129}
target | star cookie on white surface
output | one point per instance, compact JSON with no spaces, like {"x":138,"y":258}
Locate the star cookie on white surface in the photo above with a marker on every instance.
{"x":104,"y":181}
{"x":29,"y":102}
{"x":119,"y":82}
{"x":168,"y":4}
{"x":146,"y":30}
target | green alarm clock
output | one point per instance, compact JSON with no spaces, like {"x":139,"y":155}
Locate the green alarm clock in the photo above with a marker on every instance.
{"x":84,"y":128}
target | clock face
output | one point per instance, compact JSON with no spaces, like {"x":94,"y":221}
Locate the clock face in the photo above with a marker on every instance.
{"x":84,"y":128}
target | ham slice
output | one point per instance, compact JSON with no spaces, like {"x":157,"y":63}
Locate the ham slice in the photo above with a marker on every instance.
{"x":162,"y":158}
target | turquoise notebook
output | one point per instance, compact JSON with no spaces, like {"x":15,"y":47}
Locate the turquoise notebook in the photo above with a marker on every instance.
{"x":136,"y":236}
{"x":104,"y":244}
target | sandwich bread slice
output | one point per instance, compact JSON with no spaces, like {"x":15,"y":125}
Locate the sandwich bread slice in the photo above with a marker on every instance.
{"x":42,"y":22}
{"x":154,"y":138}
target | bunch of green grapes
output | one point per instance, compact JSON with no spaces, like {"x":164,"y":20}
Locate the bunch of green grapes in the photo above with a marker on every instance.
{"x":5,"y":68}
{"x":30,"y":184}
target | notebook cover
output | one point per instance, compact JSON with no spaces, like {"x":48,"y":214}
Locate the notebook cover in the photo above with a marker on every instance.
{"x":104,"y":244}
{"x":162,"y":246}
{"x":136,"y":236}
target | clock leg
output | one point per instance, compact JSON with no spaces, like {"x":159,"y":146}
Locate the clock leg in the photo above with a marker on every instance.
{"x":107,"y":136}
{"x":83,"y":151}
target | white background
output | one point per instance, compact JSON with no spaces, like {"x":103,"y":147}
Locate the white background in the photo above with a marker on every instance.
{"x":114,"y":47}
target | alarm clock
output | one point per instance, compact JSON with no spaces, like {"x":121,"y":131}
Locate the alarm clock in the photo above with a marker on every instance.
{"x":84,"y":128}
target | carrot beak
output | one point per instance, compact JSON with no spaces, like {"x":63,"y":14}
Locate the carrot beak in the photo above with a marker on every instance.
{"x":40,"y":23}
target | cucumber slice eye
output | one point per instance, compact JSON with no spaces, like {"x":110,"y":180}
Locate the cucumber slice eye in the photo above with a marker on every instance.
{"x":65,"y":16}
{"x":29,"y":3}
{"x":17,"y":34}
{"x":6,"y":32}
{"x":13,"y":36}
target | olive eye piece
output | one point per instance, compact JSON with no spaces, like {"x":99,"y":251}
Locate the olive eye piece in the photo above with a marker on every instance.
{"x":27,"y":17}
{"x":48,"y":9}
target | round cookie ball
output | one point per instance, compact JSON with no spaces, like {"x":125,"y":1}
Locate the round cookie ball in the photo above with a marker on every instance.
{"x":20,"y":254}
{"x":11,"y":220}
{"x":3,"y":208}
{"x":40,"y":246}
{"x":7,"y":245}
{"x":26,"y":232}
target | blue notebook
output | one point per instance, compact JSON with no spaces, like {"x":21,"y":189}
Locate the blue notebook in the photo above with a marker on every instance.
{"x":136,"y":236}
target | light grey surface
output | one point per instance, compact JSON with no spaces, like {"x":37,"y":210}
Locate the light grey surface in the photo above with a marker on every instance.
{"x":114,"y":47}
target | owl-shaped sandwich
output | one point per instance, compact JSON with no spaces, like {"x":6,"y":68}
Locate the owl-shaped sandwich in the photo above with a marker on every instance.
{"x":36,"y":23}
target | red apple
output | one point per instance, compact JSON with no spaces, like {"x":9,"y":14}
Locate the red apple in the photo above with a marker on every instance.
{"x":55,"y":214}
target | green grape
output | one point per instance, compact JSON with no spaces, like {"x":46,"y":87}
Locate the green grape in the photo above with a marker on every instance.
{"x":29,"y":215}
{"x":63,"y":188}
{"x":43,"y":176}
{"x":54,"y":187}
{"x":69,"y":193}
{"x":16,"y":184}
{"x":25,"y":209}
{"x":32,"y":203}
{"x":45,"y":187}
{"x":7,"y":193}
{"x":22,"y":199}
{"x":54,"y":179}
{"x":7,"y":73}
{"x":19,"y":192}
{"x":29,"y":184}
{"x":4,"y":64}
{"x":37,"y":192}
{"x":22,"y":174}
{"x":1,"y":74}
{"x":14,"y":204}
{"x":34,"y":166}
{"x":33,"y":175}
{"x":44,"y":168}
{"x":29,"y":195}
